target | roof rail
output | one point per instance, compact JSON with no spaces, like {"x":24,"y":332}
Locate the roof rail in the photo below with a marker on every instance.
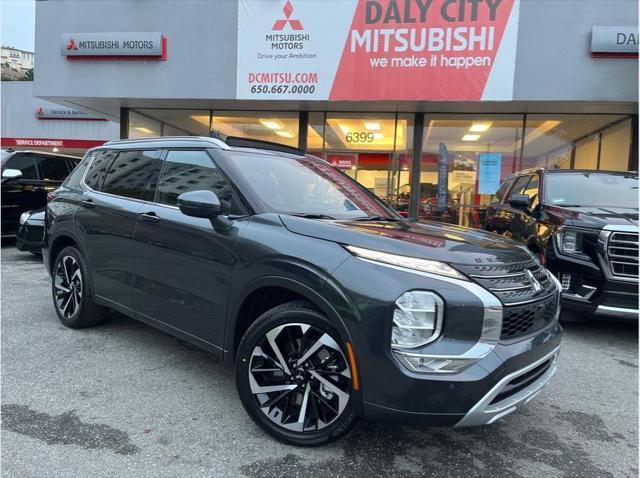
{"x":239,"y":142}
{"x":216,"y":141}
{"x":224,"y":143}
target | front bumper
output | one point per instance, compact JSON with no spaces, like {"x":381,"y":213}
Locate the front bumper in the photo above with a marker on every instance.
{"x":471,"y":395}
{"x":390,"y":391}
{"x":29,"y":236}
{"x":514,"y":390}
{"x":590,"y":293}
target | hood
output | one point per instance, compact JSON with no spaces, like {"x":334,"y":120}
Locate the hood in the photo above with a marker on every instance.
{"x":593,"y":216}
{"x":430,"y":240}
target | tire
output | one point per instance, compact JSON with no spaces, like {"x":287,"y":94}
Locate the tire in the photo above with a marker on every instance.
{"x":298,"y":331}
{"x":71,"y":291}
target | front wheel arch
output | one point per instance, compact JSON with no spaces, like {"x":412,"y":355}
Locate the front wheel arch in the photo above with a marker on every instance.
{"x":301,"y":291}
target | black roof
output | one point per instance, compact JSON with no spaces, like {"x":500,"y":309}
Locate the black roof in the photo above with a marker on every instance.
{"x":566,"y":171}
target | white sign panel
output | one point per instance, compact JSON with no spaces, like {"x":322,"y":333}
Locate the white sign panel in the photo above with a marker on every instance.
{"x":112,"y":44}
{"x":611,"y":39}
{"x":376,"y":49}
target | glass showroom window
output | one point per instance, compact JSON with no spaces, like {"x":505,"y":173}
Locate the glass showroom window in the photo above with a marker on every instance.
{"x":142,"y":126}
{"x":573,"y":141}
{"x":170,"y":122}
{"x":615,"y":147}
{"x":371,"y":148}
{"x":277,"y":127}
{"x":464,"y":159}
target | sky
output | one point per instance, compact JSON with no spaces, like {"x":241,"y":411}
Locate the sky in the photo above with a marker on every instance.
{"x":18,"y":23}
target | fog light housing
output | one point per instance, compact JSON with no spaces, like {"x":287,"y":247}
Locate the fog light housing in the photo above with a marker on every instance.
{"x":417,"y":319}
{"x":565,"y":280}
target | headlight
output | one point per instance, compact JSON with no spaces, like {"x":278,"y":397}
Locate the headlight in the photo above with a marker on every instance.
{"x":417,"y":319}
{"x":422,"y":265}
{"x":570,"y":242}
{"x":23,"y":217}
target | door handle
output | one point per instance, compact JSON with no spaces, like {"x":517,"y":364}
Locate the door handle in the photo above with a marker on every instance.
{"x":88,"y":203}
{"x":149,"y":217}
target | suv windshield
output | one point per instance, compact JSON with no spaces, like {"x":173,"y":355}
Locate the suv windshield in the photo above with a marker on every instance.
{"x":591,"y":189}
{"x":307,"y":186}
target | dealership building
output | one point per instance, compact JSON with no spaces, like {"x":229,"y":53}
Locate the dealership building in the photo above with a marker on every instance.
{"x":39,"y":125}
{"x":409,"y":97}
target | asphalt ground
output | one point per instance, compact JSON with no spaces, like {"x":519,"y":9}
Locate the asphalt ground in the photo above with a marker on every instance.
{"x":124,"y":399}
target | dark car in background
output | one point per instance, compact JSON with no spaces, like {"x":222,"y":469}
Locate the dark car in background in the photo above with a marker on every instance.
{"x":330,"y":305}
{"x":583,"y":225}
{"x":27,"y":178}
{"x":30,"y":231}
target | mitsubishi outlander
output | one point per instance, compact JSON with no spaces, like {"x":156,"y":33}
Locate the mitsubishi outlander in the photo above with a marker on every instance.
{"x":329,"y":305}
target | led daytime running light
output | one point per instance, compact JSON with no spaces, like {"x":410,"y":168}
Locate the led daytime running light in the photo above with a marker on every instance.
{"x":413,"y":263}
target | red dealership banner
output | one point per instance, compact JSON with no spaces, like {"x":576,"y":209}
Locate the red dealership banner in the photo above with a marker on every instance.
{"x":439,"y":50}
{"x":50,"y":143}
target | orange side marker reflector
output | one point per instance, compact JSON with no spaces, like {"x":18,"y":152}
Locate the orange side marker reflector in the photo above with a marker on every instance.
{"x":352,"y":364}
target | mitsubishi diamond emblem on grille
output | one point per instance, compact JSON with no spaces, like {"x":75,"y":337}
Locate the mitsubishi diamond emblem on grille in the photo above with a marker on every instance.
{"x":532,"y":280}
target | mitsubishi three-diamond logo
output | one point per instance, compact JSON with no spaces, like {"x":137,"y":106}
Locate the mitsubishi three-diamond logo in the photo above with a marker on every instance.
{"x":533,"y":281}
{"x":72,"y":45}
{"x":293,"y":23}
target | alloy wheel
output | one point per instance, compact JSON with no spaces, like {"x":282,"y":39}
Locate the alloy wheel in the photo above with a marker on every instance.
{"x":300,"y":377}
{"x":68,"y":286}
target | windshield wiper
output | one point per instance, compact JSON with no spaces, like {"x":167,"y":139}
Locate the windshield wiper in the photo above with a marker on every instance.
{"x":313,"y":216}
{"x":377,"y":218}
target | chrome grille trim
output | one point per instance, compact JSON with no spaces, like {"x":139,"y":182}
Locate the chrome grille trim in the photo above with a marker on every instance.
{"x":512,"y":283}
{"x":622,"y":254}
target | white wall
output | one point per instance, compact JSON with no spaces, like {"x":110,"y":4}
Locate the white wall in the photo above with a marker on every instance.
{"x":19,"y":118}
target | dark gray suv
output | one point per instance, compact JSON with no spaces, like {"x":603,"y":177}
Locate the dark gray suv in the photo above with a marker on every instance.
{"x":329,"y":305}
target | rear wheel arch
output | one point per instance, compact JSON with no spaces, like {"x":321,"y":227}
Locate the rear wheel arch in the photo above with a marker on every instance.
{"x":58,"y":244}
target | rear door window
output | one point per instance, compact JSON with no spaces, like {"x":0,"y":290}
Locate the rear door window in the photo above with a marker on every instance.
{"x":98,"y":169}
{"x":25,"y":163}
{"x":130,"y":173}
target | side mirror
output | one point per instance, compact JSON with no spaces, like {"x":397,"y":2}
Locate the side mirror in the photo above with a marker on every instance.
{"x":11,"y":174}
{"x":204,"y":204}
{"x":519,"y":201}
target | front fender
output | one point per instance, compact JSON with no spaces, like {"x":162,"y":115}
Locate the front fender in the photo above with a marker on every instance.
{"x":305,"y":280}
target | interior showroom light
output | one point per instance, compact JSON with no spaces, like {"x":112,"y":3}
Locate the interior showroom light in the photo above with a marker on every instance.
{"x":142,"y":129}
{"x":271,"y":124}
{"x":378,"y":136}
{"x":284,"y":133}
{"x":372,"y":126}
{"x":471,"y":137}
{"x":480,"y":127}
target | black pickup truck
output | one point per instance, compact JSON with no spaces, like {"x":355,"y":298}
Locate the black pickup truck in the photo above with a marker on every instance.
{"x":583,"y":226}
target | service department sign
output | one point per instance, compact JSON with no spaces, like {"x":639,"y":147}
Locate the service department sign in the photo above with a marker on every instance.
{"x":60,"y":113}
{"x":114,"y":46}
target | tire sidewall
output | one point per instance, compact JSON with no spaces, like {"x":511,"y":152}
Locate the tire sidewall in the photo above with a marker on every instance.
{"x":255,"y":333}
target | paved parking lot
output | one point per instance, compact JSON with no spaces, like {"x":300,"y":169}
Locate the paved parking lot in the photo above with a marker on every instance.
{"x":123,"y":399}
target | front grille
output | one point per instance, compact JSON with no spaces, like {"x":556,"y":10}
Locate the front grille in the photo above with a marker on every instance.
{"x":521,"y":320}
{"x":512,"y":283}
{"x":622,"y":254}
{"x":522,"y":381}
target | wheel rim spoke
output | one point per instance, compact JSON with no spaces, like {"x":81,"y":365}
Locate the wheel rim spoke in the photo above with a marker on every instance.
{"x":67,"y":283}
{"x":300,"y":377}
{"x":271,"y":337}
